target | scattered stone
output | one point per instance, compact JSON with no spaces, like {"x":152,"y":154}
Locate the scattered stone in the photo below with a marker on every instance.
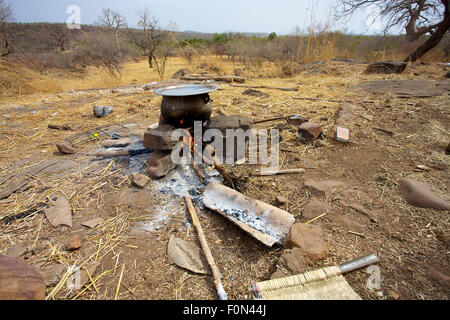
{"x":160,"y":138}
{"x":346,"y":221}
{"x":291,"y":262}
{"x":386,"y":67}
{"x":52,"y":273}
{"x":102,"y":111}
{"x":280,"y":200}
{"x":420,"y":194}
{"x":368,"y":213}
{"x":447,"y":75}
{"x":120,"y":143}
{"x":180,"y":73}
{"x":66,"y":148}
{"x":444,"y":237}
{"x":315,"y":208}
{"x":255,"y":93}
{"x":309,"y":239}
{"x":187,"y":255}
{"x":60,"y":213}
{"x":74,"y":243}
{"x":297,"y":120}
{"x":139,"y":179}
{"x":92,"y":223}
{"x":17,"y":250}
{"x":20,"y":281}
{"x":91,"y":268}
{"x":322,"y":188}
{"x":309,"y":131}
{"x":160,"y":164}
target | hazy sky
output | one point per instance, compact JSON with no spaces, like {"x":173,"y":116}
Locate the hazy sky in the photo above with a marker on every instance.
{"x":280,"y":16}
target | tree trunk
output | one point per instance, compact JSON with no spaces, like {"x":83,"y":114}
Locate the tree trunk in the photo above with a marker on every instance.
{"x":411,"y":35}
{"x":435,"y":38}
{"x":150,"y":61}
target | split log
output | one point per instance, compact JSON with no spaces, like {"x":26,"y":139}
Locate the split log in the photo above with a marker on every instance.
{"x":206,"y":250}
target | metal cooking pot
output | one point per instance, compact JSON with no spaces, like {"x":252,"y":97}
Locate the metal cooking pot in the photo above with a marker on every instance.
{"x":183,"y":104}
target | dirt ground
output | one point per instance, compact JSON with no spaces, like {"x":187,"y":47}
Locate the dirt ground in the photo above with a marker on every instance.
{"x":410,"y":241}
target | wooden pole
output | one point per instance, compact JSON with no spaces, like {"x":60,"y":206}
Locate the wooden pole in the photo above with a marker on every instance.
{"x":201,"y":236}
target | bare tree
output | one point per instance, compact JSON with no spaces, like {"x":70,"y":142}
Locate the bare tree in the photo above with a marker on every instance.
{"x":112,"y":20}
{"x":60,"y":34}
{"x":418,"y":17}
{"x":5,"y":17}
{"x":148,"y":38}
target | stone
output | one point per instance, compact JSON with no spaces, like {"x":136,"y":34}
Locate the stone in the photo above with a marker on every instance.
{"x":255,"y":93}
{"x":420,"y":194}
{"x":119,"y":143}
{"x":17,"y":250}
{"x":224,"y":122}
{"x":346,"y":221}
{"x":92,"y":223}
{"x":102,"y":111}
{"x":293,"y":261}
{"x":386,"y":67}
{"x":66,"y":148}
{"x":280,"y":200}
{"x":372,"y":215}
{"x":160,"y":138}
{"x":444,"y":237}
{"x":322,"y":188}
{"x":160,"y":164}
{"x":139,"y":179}
{"x":309,"y":239}
{"x":309,"y":131}
{"x":74,"y":243}
{"x":297,"y":120}
{"x":447,"y":75}
{"x":52,"y":273}
{"x":60,"y":213}
{"x":187,"y":255}
{"x":315,"y":208}
{"x":20,"y":281}
{"x":180,"y":73}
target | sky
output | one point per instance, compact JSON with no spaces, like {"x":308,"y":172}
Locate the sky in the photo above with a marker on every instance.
{"x":280,"y":16}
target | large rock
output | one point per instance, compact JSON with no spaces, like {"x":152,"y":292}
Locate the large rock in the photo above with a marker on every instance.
{"x":420,"y":194}
{"x":309,"y":239}
{"x":102,"y":111}
{"x":160,"y":138}
{"x":20,"y":281}
{"x":139,"y":179}
{"x":387,"y":67}
{"x":52,"y":273}
{"x":291,"y":262}
{"x":315,"y":208}
{"x":309,"y":131}
{"x":160,"y":164}
{"x":322,"y":188}
{"x":66,"y":148}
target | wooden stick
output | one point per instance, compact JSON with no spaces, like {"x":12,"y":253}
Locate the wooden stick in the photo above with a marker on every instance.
{"x":58,"y":127}
{"x":201,"y":236}
{"x":264,"y":87}
{"x":272,"y":172}
{"x":321,"y":99}
{"x":271,"y":119}
{"x":219,"y":166}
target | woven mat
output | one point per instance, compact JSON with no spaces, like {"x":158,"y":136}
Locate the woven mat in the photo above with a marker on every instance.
{"x":322,"y":284}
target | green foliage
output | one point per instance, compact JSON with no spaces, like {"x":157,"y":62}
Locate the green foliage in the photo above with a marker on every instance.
{"x":220,"y":38}
{"x":272,"y":36}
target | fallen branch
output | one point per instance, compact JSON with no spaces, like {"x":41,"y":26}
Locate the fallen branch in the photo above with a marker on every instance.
{"x":116,"y":153}
{"x":264,"y":87}
{"x":219,"y":166}
{"x":321,"y":99}
{"x":206,"y":77}
{"x":272,"y":172}
{"x":57,"y":127}
{"x":272,"y":119}
{"x":209,"y":257}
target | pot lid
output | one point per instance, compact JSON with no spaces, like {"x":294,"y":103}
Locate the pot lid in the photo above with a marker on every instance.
{"x":190,"y":89}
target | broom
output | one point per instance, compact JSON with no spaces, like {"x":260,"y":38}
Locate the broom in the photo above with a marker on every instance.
{"x":321,"y":284}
